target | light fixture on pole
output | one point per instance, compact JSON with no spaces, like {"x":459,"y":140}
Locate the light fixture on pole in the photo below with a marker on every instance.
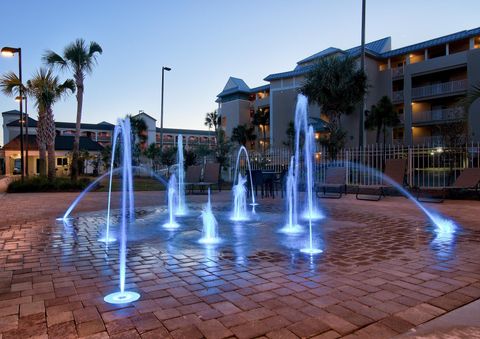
{"x":26,"y":132}
{"x":168,"y":69}
{"x":10,"y":52}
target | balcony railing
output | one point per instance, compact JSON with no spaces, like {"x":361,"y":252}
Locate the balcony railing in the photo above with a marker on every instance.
{"x":397,"y":96}
{"x":439,"y":115}
{"x":434,"y":140}
{"x":440,"y":89}
{"x":397,"y":72}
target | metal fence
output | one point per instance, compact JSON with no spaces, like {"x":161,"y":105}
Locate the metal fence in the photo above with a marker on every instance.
{"x":428,"y":166}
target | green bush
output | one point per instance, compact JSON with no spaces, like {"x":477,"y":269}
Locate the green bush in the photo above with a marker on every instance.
{"x":42,"y":184}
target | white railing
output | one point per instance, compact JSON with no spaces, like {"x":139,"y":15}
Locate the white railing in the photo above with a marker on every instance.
{"x":440,"y":89}
{"x":428,"y":165}
{"x":397,"y":71}
{"x":397,"y":96}
{"x":439,"y":115}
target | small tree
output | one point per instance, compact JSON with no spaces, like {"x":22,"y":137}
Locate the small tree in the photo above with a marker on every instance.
{"x":337,"y":85}
{"x":169,"y":156}
{"x":261,"y":118}
{"x":212,"y":119}
{"x":243,"y":134}
{"x":290,"y":132}
{"x":222,"y":150}
{"x":382,"y":116}
{"x":153,"y":153}
{"x":190,"y":157}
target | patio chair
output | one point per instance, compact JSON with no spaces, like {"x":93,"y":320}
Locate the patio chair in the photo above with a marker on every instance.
{"x":211,"y":176}
{"x":192,"y":177}
{"x":467,"y":180}
{"x":336,"y":181}
{"x":395,"y":169}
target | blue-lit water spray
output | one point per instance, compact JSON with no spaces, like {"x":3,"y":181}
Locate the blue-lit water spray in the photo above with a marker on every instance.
{"x":292,"y":225}
{"x":107,"y":238}
{"x":240,"y":200}
{"x":311,"y":211}
{"x":123,"y":296}
{"x":311,"y":249}
{"x":210,"y":233}
{"x":172,"y":198}
{"x":181,"y":208}
{"x":241,"y":150}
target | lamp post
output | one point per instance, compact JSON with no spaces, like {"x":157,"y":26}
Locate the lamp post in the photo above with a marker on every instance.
{"x":361,"y":131}
{"x":10,"y":52}
{"x":168,"y":69}
{"x":26,"y":132}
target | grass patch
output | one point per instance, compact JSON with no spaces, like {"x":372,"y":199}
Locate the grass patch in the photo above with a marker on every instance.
{"x":42,"y":184}
{"x":139,"y":184}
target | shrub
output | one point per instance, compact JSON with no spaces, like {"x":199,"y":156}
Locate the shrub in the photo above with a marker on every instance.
{"x":42,"y":184}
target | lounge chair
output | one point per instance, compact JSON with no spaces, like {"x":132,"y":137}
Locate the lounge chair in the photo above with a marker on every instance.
{"x":336,"y":181}
{"x":467,"y":180}
{"x":211,"y":176}
{"x":192,"y":177}
{"x":395,"y":169}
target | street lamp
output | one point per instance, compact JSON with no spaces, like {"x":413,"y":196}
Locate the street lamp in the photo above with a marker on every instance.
{"x":168,"y":69}
{"x":10,"y":52}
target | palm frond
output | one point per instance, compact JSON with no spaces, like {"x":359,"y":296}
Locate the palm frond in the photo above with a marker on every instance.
{"x":472,"y":96}
{"x":10,"y":84}
{"x":53,"y":59}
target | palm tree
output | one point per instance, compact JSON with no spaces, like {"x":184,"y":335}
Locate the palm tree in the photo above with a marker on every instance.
{"x":382,"y":116}
{"x":212,"y":119}
{"x":79,"y":59}
{"x":472,"y":96}
{"x":46,"y":88}
{"x":337,"y":85}
{"x":243,"y":134}
{"x":261,"y":118}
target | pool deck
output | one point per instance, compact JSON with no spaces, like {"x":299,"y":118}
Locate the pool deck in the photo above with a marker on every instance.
{"x":383,"y":274}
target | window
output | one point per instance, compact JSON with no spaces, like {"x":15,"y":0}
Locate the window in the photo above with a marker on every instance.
{"x":62,"y":161}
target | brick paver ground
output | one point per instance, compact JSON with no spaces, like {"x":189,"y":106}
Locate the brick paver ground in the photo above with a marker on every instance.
{"x":383,"y":271}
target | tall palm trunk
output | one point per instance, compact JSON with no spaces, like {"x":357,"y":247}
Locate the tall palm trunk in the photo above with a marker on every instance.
{"x":76,"y":142}
{"x":42,"y":146}
{"x":50,"y":140}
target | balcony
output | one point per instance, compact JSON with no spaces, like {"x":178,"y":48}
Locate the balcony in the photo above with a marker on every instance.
{"x":397,"y":96}
{"x":446,"y":88}
{"x":438,"y":115}
{"x":397,"y":72}
{"x":434,"y":140}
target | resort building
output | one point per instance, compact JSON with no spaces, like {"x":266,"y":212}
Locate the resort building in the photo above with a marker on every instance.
{"x":425,"y":81}
{"x":94,"y":137}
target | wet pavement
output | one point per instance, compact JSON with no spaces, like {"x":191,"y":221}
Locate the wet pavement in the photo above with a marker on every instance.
{"x":384,"y":270}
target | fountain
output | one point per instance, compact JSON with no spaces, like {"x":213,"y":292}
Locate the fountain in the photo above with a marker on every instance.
{"x":172,"y":190}
{"x":209,"y":224}
{"x":301,"y":124}
{"x":123,"y":296}
{"x":181,"y":208}
{"x":240,"y":200}
{"x":292,"y":225}
{"x":241,"y":150}
{"x":310,"y":249}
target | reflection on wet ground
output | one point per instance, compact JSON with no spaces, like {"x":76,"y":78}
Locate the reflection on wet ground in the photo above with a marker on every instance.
{"x":378,"y":274}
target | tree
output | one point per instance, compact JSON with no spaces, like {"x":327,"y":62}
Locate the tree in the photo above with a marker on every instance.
{"x":290,"y":132}
{"x":382,"y":116}
{"x":46,"y":89}
{"x":261,"y":118}
{"x":79,"y":59}
{"x":212,"y":119}
{"x":243,"y":134}
{"x":139,"y":134}
{"x":472,"y":96}
{"x":222,"y":150}
{"x":337,"y":85}
{"x":153,"y":153}
{"x":168,"y":157}
{"x":190,"y":157}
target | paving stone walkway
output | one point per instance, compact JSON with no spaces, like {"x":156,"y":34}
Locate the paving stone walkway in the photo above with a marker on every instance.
{"x":383,"y":272}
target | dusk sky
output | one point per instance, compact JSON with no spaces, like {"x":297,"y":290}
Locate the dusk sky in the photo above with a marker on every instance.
{"x":204,"y":42}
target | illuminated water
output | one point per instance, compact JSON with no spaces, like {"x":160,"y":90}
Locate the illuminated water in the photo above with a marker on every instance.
{"x":181,"y":208}
{"x":209,"y":232}
{"x":172,"y":199}
{"x":241,"y":150}
{"x":240,"y":200}
{"x":292,"y":225}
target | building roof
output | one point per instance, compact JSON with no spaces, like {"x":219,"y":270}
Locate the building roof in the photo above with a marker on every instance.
{"x":433,"y":42}
{"x":186,"y":131}
{"x":59,"y":124}
{"x":237,"y":85}
{"x":62,"y":143}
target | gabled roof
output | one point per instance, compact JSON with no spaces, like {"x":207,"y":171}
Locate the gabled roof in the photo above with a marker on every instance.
{"x":433,"y":42}
{"x":103,"y":126}
{"x":236,"y":85}
{"x":373,"y":49}
{"x":148,"y":115}
{"x":62,"y":143}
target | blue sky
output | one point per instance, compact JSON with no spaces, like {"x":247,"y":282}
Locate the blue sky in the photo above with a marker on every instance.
{"x":204,"y":42}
